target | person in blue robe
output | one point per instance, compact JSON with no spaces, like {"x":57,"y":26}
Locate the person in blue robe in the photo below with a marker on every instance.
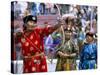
{"x":88,"y":54}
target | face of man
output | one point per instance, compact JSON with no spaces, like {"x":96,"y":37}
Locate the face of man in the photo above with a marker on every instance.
{"x":30,"y":25}
{"x":89,"y":39}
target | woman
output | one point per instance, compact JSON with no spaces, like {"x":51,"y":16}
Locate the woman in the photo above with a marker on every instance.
{"x":67,"y":54}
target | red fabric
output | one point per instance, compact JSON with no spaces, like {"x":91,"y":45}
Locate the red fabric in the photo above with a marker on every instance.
{"x":28,"y":49}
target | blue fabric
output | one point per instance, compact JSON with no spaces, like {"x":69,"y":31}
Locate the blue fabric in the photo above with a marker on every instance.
{"x":81,"y":36}
{"x":34,"y":9}
{"x":88,"y":56}
{"x":49,"y":42}
{"x":57,"y":41}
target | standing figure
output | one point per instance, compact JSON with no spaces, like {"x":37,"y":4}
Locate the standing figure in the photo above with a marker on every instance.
{"x":32,"y":46}
{"x":88,"y":55}
{"x":67,"y":54}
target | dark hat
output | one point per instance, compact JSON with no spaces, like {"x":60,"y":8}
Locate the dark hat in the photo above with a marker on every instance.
{"x":30,"y":18}
{"x":90,"y":34}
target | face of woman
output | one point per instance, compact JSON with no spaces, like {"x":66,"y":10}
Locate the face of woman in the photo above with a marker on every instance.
{"x":89,"y":38}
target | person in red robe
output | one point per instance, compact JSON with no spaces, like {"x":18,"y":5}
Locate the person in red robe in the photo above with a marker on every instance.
{"x":32,"y":46}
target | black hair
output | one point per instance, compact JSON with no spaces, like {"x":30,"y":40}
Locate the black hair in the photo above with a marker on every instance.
{"x":89,"y":34}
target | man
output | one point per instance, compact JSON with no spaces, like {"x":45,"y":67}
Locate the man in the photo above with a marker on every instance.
{"x":31,"y":41}
{"x":88,"y":55}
